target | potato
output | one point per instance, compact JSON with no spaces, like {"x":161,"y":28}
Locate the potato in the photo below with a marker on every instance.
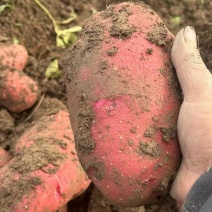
{"x":13,"y":56}
{"x":45,"y":172}
{"x":124,"y":102}
{"x":18,"y":92}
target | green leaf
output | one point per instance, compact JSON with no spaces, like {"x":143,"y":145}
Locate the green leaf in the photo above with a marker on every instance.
{"x":72,"y":17}
{"x":15,"y":40}
{"x":4,"y":6}
{"x":176,"y":20}
{"x":67,"y":36}
{"x":64,"y":36}
{"x":52,"y":71}
{"x":18,"y":24}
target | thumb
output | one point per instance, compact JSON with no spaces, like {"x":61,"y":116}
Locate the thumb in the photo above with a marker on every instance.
{"x":194,"y":77}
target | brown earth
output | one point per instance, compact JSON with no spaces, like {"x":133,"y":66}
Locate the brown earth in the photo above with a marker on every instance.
{"x":27,"y":23}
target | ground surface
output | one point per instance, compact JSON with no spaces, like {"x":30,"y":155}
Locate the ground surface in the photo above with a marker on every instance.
{"x":27,"y":23}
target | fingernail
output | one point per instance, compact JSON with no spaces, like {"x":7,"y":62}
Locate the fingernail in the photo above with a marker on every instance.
{"x":190,"y":35}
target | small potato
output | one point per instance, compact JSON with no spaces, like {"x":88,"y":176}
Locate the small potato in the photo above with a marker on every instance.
{"x":44,"y":173}
{"x":18,"y":92}
{"x":13,"y":56}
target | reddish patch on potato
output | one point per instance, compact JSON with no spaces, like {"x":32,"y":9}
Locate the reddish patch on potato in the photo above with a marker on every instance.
{"x":124,"y":102}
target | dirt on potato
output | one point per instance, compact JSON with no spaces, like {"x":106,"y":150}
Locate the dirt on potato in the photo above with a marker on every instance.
{"x":17,"y":189}
{"x":28,"y":24}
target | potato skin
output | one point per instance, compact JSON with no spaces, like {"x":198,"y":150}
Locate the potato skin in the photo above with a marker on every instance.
{"x":18,"y":92}
{"x":45,"y":172}
{"x":13,"y":56}
{"x":124,"y":103}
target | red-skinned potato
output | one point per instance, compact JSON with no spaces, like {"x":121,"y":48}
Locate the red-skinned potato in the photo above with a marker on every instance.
{"x":18,"y":92}
{"x":13,"y":56}
{"x":5,"y":157}
{"x":45,"y":172}
{"x":124,"y":102}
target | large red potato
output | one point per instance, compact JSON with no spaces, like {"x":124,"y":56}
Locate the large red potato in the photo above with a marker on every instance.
{"x":13,"y":56}
{"x":45,"y":172}
{"x":124,"y":103}
{"x":18,"y":92}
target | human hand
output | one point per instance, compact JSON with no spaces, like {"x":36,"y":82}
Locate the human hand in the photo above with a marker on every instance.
{"x":195,"y":118}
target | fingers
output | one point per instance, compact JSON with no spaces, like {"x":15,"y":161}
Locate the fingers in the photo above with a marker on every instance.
{"x":179,"y":206}
{"x":179,"y":188}
{"x":194,"y":77}
{"x":190,"y":36}
{"x":183,"y":183}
